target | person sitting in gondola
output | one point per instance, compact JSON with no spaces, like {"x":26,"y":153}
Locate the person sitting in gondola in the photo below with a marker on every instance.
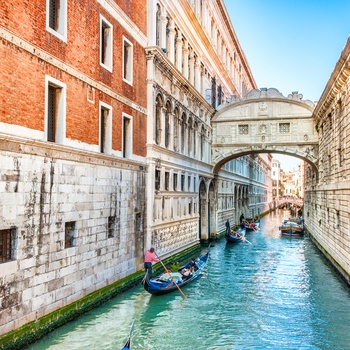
{"x":193,"y":265}
{"x":235,"y":233}
{"x":187,"y":272}
{"x":175,"y":267}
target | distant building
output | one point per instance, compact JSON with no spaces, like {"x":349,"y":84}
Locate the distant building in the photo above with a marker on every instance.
{"x":276,"y":178}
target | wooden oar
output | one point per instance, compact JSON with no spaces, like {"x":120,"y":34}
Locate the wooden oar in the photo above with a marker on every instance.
{"x":245,"y":239}
{"x":167,"y":271}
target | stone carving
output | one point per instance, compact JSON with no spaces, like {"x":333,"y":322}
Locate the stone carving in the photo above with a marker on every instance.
{"x":263,"y":129}
{"x":262,"y":108}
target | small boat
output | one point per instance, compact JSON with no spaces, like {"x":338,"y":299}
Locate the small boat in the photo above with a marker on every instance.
{"x":251,"y":225}
{"x":127,"y":345}
{"x":171,"y":281}
{"x":235,"y":236}
{"x":291,"y":228}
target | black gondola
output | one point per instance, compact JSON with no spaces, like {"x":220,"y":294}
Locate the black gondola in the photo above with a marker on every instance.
{"x":127,"y":345}
{"x":171,"y":281}
{"x":235,"y":236}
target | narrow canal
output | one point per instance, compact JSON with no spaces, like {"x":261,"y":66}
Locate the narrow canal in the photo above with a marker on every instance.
{"x":275,"y":293}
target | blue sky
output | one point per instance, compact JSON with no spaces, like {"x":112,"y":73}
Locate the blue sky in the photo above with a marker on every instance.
{"x":291,"y":45}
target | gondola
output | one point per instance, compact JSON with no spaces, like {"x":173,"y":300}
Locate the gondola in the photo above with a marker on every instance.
{"x":127,"y":345}
{"x":235,"y":236}
{"x":291,"y":228}
{"x":171,"y":281}
{"x":251,"y":225}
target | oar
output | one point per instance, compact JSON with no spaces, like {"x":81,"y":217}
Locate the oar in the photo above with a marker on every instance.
{"x":167,"y":271}
{"x":245,"y":239}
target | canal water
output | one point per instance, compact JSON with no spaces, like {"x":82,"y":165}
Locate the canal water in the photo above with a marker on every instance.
{"x":275,"y":293}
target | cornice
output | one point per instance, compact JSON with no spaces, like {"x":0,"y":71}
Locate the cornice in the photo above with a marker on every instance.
{"x":203,"y":44}
{"x":155,"y":53}
{"x":233,"y":35}
{"x":120,"y":16}
{"x":31,"y":147}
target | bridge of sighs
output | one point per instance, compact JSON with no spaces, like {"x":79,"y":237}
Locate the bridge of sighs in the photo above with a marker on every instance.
{"x":265,"y":121}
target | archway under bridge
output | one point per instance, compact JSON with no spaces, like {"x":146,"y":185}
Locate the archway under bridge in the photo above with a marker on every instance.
{"x":265,"y":121}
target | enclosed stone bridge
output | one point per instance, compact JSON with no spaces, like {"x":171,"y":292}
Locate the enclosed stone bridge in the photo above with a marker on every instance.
{"x":289,"y":200}
{"x":265,"y":121}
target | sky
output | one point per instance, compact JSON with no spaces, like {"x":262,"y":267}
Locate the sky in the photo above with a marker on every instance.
{"x":291,"y":45}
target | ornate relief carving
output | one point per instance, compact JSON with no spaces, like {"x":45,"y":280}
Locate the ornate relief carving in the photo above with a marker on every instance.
{"x":262,"y":108}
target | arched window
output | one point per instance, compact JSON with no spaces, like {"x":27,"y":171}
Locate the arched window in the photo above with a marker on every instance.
{"x":167,"y":125}
{"x":158,"y":126}
{"x":202,"y":143}
{"x":176,"y":130}
{"x":195,"y":130}
{"x":189,"y":137}
{"x":183,"y":129}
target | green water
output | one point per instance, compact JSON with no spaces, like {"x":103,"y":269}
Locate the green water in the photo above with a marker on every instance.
{"x":275,"y":293}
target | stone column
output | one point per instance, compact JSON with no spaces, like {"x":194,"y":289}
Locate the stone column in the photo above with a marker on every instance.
{"x":162,"y":33}
{"x":185,"y":60}
{"x":197,"y":75}
{"x":171,"y":42}
{"x":179,"y":44}
{"x":191,"y":72}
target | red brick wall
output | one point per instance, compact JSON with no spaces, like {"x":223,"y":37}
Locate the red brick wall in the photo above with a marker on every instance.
{"x":22,"y":74}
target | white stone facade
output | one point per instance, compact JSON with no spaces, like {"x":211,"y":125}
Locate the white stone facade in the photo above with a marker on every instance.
{"x":43,"y":192}
{"x":195,"y":64}
{"x":327,"y":191}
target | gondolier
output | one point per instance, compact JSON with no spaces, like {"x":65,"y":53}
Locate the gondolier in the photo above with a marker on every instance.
{"x":149,"y":258}
{"x":241,"y":218}
{"x":228,"y":228}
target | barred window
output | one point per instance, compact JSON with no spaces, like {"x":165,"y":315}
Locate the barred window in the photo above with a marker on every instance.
{"x":175,"y":182}
{"x":243,"y":129}
{"x":7,"y":244}
{"x":157,"y":181}
{"x":111,"y":226}
{"x":284,"y":128}
{"x":69,"y":234}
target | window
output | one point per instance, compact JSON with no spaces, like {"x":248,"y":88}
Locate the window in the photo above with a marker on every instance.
{"x":111,"y":226}
{"x":284,"y":128}
{"x":56,"y":18}
{"x":175,"y":182}
{"x":69,"y":238}
{"x":166,"y":183}
{"x":127,"y":61}
{"x":55,"y":110}
{"x":243,"y":129}
{"x":127,"y":137}
{"x":106,"y":44}
{"x":105,"y":142}
{"x":157,"y":180}
{"x":182,"y":183}
{"x":7,"y":244}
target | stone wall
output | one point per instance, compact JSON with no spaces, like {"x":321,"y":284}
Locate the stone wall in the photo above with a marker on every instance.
{"x":327,"y":195}
{"x":105,"y":201}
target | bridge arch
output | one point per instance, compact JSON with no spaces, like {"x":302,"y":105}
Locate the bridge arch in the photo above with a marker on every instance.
{"x":265,"y":121}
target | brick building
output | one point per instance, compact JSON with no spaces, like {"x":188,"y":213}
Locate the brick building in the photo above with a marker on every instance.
{"x":72,"y":151}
